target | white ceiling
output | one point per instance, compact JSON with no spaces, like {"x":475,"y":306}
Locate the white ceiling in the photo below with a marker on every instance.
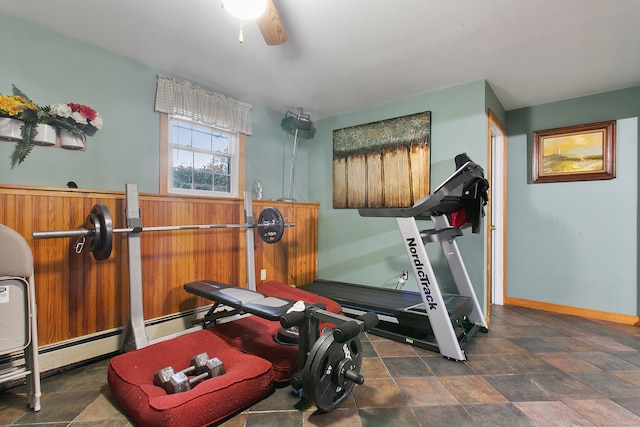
{"x":345,"y":55}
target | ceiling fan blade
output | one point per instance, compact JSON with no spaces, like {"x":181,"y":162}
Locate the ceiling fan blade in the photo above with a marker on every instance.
{"x":271,"y":27}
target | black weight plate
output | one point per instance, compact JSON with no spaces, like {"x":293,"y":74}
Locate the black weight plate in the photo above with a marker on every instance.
{"x":319,"y":347}
{"x":270,"y":225}
{"x":101,"y":241}
{"x":324,"y":386}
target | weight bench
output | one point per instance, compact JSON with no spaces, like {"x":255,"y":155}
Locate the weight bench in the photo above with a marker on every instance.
{"x":255,"y":334}
{"x":328,"y":362}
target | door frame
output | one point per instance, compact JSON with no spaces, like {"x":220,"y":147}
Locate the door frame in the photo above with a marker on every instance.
{"x":496,"y":224}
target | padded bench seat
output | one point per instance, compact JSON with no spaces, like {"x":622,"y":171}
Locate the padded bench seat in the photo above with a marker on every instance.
{"x":273,"y":288}
{"x":247,"y":379}
{"x":270,"y":308}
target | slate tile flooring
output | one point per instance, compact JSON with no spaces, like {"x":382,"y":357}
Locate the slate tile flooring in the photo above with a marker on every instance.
{"x":533,"y":368}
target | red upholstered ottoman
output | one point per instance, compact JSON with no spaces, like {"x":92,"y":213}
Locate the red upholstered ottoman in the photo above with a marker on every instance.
{"x":247,"y":379}
{"x":256,"y":336}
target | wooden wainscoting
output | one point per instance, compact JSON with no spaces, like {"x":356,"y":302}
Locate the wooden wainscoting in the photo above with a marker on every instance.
{"x":79,"y":296}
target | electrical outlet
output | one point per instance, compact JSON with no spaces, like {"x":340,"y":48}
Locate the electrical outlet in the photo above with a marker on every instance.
{"x":263,"y":274}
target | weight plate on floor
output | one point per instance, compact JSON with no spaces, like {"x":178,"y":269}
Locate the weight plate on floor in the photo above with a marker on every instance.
{"x":270,"y":225}
{"x":100,"y":223}
{"x":324,"y":381}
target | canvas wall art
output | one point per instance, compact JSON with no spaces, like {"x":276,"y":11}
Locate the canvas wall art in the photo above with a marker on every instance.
{"x":384,"y":164}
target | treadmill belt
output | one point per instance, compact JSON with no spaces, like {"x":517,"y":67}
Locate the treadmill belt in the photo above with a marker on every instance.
{"x":350,"y":295}
{"x":401,"y":314}
{"x":384,"y":301}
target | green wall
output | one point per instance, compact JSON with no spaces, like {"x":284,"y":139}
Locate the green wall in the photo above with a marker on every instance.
{"x":575,"y":243}
{"x":51,"y":67}
{"x":369,"y":251}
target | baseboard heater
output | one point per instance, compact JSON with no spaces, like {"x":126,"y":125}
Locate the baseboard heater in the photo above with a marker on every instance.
{"x":78,"y":351}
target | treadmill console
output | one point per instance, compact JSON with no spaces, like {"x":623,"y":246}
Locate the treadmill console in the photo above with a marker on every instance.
{"x":464,"y":193}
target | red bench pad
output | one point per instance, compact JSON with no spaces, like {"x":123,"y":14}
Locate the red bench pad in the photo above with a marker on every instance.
{"x":247,"y":379}
{"x":256,"y":336}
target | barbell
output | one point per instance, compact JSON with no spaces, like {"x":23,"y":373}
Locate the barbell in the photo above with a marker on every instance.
{"x":98,"y":229}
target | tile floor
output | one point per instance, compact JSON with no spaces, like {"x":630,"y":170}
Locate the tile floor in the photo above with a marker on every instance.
{"x":533,"y":368}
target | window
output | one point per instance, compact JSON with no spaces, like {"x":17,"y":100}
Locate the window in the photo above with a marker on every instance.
{"x":202,"y":139}
{"x":202,"y":160}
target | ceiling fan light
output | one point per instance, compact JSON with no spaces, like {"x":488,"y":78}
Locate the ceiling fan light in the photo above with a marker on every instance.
{"x":245,"y":9}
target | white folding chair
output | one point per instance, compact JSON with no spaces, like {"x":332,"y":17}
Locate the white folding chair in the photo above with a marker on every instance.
{"x":18,"y":312}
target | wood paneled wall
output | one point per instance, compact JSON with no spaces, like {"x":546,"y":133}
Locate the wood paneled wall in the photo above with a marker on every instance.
{"x":78,"y":296}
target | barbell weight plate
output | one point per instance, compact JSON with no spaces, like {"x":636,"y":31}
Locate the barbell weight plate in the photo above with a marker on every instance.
{"x":313,"y":353}
{"x":271,"y":225}
{"x":101,"y":240}
{"x":92,"y":225}
{"x":324,"y":383}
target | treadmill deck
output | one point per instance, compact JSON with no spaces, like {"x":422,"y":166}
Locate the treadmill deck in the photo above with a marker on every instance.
{"x":401,"y":314}
{"x":407,"y":306}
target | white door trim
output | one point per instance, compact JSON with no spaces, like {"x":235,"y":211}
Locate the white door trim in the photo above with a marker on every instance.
{"x":496,"y":221}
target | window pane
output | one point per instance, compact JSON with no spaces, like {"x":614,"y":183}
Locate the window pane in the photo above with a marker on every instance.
{"x":203,"y":161}
{"x":203,"y":173}
{"x":222,"y":183}
{"x":183,"y":158}
{"x":182,"y":178}
{"x":221,"y":165}
{"x":201,"y":138}
{"x":203,"y":179}
{"x":182,"y":169}
{"x":181,"y":134}
{"x":220,"y":143}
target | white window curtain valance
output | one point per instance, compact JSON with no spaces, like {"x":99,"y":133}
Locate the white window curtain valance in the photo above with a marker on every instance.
{"x":181,"y":98}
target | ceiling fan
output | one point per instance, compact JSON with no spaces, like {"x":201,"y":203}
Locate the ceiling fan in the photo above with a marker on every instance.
{"x":265,"y":14}
{"x":271,"y":27}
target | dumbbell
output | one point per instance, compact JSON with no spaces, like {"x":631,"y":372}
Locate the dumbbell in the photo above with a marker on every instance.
{"x":180,"y":382}
{"x":162,"y":376}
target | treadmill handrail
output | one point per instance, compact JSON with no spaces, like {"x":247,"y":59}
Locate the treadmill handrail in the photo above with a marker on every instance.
{"x":428,"y":206}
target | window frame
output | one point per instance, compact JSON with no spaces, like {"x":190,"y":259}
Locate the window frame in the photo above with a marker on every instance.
{"x":166,"y":165}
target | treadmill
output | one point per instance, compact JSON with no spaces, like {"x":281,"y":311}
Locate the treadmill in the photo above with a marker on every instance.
{"x":428,"y":318}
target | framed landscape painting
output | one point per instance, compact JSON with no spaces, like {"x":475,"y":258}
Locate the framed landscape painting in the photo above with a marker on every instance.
{"x":575,"y":153}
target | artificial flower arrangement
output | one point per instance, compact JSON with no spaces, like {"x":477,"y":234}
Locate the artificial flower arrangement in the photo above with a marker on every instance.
{"x":78,"y":119}
{"x":20,"y":107}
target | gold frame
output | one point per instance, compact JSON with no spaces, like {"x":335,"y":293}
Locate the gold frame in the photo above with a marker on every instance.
{"x":582,"y":153}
